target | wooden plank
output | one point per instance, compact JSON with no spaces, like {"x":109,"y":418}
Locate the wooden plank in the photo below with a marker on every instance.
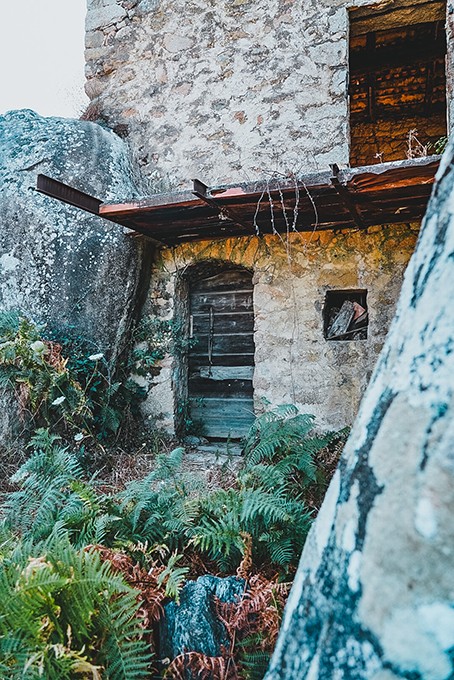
{"x":220,"y":389}
{"x":215,"y":430}
{"x":224,"y":323}
{"x":386,"y":16}
{"x":227,"y":372}
{"x":223,"y":302}
{"x":342,"y":320}
{"x":224,"y":344}
{"x":221,"y":293}
{"x":242,"y":359}
{"x":242,"y":407}
{"x":229,"y":279}
{"x":223,"y":418}
{"x":347,"y":198}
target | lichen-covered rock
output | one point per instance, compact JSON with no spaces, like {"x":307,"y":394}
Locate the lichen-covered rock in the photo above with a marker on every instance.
{"x":373,"y":598}
{"x":58,"y":264}
{"x":192,"y":625}
{"x":74,"y":272}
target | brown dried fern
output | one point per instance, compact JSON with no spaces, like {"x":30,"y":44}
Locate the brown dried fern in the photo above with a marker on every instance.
{"x":201,"y":667}
{"x":245,"y":565}
{"x":152,"y":593}
{"x":259,"y":611}
{"x":53,"y":356}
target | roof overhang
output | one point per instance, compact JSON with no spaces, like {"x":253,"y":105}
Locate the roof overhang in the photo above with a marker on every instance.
{"x":385,"y":193}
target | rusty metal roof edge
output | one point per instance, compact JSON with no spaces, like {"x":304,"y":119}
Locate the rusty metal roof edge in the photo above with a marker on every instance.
{"x":186,"y":198}
{"x":164,"y":200}
{"x":379,"y":168}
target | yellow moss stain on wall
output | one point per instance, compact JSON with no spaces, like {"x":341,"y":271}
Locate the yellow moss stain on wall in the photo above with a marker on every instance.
{"x":291,"y":275}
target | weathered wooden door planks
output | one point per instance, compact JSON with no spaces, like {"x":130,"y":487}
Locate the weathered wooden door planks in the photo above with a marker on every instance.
{"x":221,"y":362}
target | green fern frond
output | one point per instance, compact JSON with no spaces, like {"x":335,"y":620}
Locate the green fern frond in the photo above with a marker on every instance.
{"x":56,"y":597}
{"x":173,"y":577}
{"x":254,"y":665}
{"x":43,"y":440}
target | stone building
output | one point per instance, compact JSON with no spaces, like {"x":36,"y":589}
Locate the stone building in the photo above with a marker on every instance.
{"x":268,"y":103}
{"x":245,"y":92}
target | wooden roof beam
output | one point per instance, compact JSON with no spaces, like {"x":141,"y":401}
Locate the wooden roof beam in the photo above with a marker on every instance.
{"x":347,"y":200}
{"x":200,"y":190}
{"x":387,"y":15}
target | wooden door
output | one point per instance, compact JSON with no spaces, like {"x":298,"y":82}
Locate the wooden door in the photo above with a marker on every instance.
{"x":221,"y":360}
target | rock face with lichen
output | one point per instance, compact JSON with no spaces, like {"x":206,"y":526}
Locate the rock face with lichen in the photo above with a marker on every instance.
{"x":60,"y":265}
{"x":374,"y":595}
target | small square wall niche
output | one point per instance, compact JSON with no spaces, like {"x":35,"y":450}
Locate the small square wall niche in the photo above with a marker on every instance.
{"x":345,"y":315}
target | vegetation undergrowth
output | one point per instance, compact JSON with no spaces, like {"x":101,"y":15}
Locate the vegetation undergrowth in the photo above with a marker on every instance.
{"x":159,"y":532}
{"x":86,"y":570}
{"x":70,"y":386}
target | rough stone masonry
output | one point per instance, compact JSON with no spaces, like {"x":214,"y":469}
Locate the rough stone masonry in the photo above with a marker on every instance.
{"x":227,"y":90}
{"x":222,"y":90}
{"x":234,"y":90}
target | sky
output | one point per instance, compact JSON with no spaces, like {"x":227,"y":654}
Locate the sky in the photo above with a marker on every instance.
{"x":42,"y":56}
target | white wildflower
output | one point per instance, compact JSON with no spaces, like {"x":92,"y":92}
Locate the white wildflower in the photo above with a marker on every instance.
{"x":58,"y":401}
{"x":78,"y":437}
{"x":96,"y":357}
{"x":38,"y":346}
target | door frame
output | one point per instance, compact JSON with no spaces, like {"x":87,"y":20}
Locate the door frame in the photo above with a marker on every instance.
{"x":192,"y":273}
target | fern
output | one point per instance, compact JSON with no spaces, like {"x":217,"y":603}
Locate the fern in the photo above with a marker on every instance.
{"x":173,"y":577}
{"x":275,"y":433}
{"x":83,"y":617}
{"x":254,"y":664}
{"x":267,"y":516}
{"x":269,"y":500}
{"x":153,"y":508}
{"x":64,"y":612}
{"x":53,"y":493}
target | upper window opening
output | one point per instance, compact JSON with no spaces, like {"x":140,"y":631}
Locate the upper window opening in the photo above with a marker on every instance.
{"x":397,"y":81}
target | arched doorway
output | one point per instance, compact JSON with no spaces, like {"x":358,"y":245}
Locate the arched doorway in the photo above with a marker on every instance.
{"x":221,"y":352}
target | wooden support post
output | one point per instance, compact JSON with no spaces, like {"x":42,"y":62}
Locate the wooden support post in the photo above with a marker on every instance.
{"x":201,"y":191}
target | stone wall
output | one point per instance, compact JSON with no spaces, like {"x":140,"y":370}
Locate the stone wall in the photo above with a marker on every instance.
{"x":223,"y":91}
{"x":235,"y":90}
{"x":385,"y":141}
{"x":293,"y":361}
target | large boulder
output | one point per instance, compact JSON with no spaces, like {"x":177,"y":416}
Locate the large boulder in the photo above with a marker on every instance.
{"x":58,"y":264}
